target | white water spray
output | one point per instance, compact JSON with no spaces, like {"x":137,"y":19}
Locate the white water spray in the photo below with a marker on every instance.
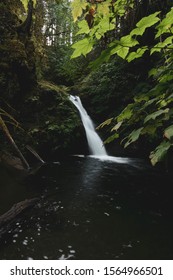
{"x":95,"y":144}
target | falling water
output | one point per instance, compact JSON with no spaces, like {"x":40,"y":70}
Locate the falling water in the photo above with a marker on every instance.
{"x":94,"y":142}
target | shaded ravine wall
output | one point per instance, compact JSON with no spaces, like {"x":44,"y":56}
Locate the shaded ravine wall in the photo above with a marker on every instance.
{"x":47,"y":117}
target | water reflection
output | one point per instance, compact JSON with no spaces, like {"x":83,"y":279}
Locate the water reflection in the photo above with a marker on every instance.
{"x":93,"y":209}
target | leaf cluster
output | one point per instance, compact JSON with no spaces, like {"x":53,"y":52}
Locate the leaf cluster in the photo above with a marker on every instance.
{"x":150,"y":114}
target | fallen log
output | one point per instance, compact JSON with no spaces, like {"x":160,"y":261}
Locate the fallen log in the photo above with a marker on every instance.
{"x":8,"y":218}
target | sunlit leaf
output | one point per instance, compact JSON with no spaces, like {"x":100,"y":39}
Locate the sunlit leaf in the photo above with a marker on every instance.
{"x":144,"y":23}
{"x":122,"y":52}
{"x":106,"y":25}
{"x":128,"y":41}
{"x":83,"y":27}
{"x":104,"y":8}
{"x":165,"y":24}
{"x":25,"y":4}
{"x":77,"y":8}
{"x":168,"y":133}
{"x":159,"y":47}
{"x":139,"y":53}
{"x":83,"y":46}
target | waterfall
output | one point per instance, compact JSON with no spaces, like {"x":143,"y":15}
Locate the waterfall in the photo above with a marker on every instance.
{"x":95,"y":144}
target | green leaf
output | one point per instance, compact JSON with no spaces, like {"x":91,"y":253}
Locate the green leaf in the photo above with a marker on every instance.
{"x":111,"y":138}
{"x":150,"y":129}
{"x":159,"y":153}
{"x":84,"y":28}
{"x":123,"y":52}
{"x":150,"y":102}
{"x":128,"y":41}
{"x":120,"y":51}
{"x":159,"y":47}
{"x":152,"y":72}
{"x":77,"y":8}
{"x":168,"y":133}
{"x":154,"y":115}
{"x":103,"y":8}
{"x":133,"y":136}
{"x":83,"y":46}
{"x":137,"y":54}
{"x":121,"y":48}
{"x":25,"y":4}
{"x":107,"y":122}
{"x":104,"y":57}
{"x":144,"y":23}
{"x":141,"y":98}
{"x":166,"y":78}
{"x":117,"y":126}
{"x":126,"y":113}
{"x":105,"y":25}
{"x":165,"y":24}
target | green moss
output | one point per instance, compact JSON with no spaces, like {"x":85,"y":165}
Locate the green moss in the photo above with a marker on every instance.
{"x":46,"y":85}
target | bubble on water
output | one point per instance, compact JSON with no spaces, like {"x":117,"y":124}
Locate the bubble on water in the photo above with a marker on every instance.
{"x":25,"y":242}
{"x":14,"y":240}
{"x":127,"y":245}
{"x":107,"y":214}
{"x":74,"y":224}
{"x":63,"y":257}
{"x":72,"y":251}
{"x":45,"y":257}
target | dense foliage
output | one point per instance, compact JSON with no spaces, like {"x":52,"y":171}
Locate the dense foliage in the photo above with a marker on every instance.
{"x":116,"y":54}
{"x":33,"y":111}
{"x":149,"y":114}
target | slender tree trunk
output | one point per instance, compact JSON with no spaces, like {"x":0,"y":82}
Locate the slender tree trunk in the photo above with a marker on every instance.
{"x":6,"y":131}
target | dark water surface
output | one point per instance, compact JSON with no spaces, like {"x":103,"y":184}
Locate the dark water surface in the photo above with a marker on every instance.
{"x":90,"y":209}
